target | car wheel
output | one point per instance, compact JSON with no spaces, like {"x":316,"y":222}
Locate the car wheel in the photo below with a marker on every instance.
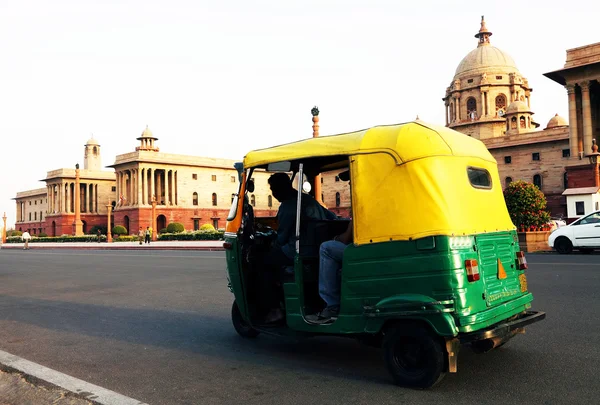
{"x":241,"y":326}
{"x":586,"y":251}
{"x":563,"y":245}
{"x":414,"y":356}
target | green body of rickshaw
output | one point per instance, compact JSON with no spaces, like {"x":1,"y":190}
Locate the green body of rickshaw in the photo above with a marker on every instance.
{"x":435,"y":262}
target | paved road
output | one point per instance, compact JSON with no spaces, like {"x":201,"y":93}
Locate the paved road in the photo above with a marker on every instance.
{"x":155,"y":326}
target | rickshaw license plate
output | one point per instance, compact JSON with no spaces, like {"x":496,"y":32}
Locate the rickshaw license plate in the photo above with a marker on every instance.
{"x":523,"y":282}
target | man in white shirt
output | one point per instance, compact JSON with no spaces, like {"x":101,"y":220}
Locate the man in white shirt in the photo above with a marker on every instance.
{"x":26,"y":236}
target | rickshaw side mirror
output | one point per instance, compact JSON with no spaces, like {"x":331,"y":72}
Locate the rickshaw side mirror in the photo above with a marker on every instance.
{"x":250,"y":186}
{"x":306,"y":187}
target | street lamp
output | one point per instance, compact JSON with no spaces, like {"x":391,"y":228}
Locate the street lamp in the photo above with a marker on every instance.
{"x":4,"y":229}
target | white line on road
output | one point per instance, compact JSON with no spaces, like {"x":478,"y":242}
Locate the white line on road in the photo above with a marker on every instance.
{"x":568,"y":264}
{"x":88,"y":391}
{"x":113,"y":253}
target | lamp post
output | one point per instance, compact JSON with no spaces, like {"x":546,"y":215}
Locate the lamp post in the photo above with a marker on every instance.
{"x":108,"y":232}
{"x":317,"y":180}
{"x":4,"y":229}
{"x":153,"y":236}
{"x":77,"y":224}
{"x":594,"y":158}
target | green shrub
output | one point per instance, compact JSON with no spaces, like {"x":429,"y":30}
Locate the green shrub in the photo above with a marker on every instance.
{"x":164,"y":230}
{"x":526,"y":205}
{"x":94,"y":230}
{"x":14,"y":233}
{"x":175,"y":227}
{"x":119,"y":230}
{"x":126,"y":238}
{"x":196,"y":235}
{"x":207,"y":227}
{"x":58,"y":239}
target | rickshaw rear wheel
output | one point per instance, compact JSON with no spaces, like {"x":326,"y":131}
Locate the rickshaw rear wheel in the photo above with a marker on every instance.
{"x":414,"y":356}
{"x":240,"y":325}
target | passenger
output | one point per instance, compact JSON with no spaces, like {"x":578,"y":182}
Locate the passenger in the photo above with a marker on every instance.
{"x":282,"y":252}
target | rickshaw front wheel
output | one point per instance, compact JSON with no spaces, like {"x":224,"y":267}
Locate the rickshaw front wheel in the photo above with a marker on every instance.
{"x":240,"y":325}
{"x":414,"y":356}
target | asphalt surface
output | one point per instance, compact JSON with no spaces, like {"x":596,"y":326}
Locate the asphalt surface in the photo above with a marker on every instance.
{"x":155,"y":326}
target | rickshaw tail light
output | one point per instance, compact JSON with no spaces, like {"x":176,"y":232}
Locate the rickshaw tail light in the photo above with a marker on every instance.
{"x":521,"y":261}
{"x":227,"y":245}
{"x":472,"y":270}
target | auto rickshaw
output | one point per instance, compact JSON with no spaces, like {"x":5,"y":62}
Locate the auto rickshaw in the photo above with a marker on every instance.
{"x":435,"y":263}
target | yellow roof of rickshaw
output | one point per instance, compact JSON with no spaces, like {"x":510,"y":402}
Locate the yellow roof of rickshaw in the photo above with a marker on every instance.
{"x":404,"y":142}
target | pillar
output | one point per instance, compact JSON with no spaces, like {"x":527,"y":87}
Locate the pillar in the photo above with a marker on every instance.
{"x":108,"y":231}
{"x":77,"y":224}
{"x":4,"y":228}
{"x":573,"y":130}
{"x":153,"y":236}
{"x":143,"y":186}
{"x":587,"y":116}
{"x":152,"y":190}
{"x":315,"y":134}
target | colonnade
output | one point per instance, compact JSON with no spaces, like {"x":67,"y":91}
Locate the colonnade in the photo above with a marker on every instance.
{"x":61,"y":198}
{"x":453,"y":108}
{"x":138,"y":186}
{"x":581,"y":128}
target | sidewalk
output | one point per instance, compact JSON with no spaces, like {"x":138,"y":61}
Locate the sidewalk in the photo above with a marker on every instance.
{"x":210,"y":245}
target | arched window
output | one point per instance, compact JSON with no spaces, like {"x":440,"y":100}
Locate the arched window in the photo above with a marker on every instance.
{"x":270,"y":200}
{"x":528,"y":122}
{"x":537,"y":181}
{"x":507,"y":181}
{"x":566,"y":180}
{"x":522,"y":122}
{"x":95,"y":150}
{"x":214,"y":199}
{"x":471,"y":105}
{"x":522,"y":98}
{"x":513,"y":123}
{"x":253,"y":200}
{"x":500,"y":102}
{"x":337,"y":199}
{"x":195,"y":198}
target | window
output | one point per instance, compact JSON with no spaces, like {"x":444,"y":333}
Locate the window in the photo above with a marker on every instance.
{"x":500,"y":102}
{"x":233,"y":179}
{"x":35,"y":216}
{"x":321,"y":179}
{"x":35,"y":202}
{"x":579,"y":208}
{"x":195,"y":198}
{"x":113,"y":188}
{"x":337,"y":178}
{"x":522,"y":122}
{"x":498,"y":77}
{"x":535,"y":156}
{"x":507,"y":181}
{"x":566,"y":153}
{"x":470,"y":81}
{"x":40,"y":215}
{"x":253,"y":200}
{"x":194,"y":176}
{"x":507,"y":160}
{"x":216,"y":223}
{"x":214,"y":199}
{"x":30,"y":216}
{"x":537,"y":181}
{"x":479,"y":178}
{"x":513,"y":123}
{"x":591,"y":219}
{"x":214,"y":177}
{"x":29,"y":202}
{"x":196,"y":224}
{"x":471,"y":104}
{"x":270,"y":201}
{"x":337,"y":199}
{"x":565,"y":180}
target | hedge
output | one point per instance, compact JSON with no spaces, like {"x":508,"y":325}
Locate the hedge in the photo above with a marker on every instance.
{"x":58,"y":239}
{"x":197,"y":235}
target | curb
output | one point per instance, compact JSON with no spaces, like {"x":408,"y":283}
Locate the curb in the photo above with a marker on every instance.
{"x":197,"y":248}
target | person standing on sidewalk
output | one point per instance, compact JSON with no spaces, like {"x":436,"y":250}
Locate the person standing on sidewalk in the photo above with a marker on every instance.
{"x":147,"y":236}
{"x":99,"y":235}
{"x":26,"y":236}
{"x":141,"y":235}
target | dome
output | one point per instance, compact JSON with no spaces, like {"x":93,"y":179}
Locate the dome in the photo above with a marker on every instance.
{"x":556,"y":122}
{"x":518,"y":107}
{"x":486,"y":58}
{"x":147,"y":133}
{"x":92,"y":141}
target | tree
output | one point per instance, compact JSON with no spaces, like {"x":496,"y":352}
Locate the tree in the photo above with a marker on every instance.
{"x":526,"y":205}
{"x":175,"y":227}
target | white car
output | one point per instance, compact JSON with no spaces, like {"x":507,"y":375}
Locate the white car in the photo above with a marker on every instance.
{"x":583,"y":234}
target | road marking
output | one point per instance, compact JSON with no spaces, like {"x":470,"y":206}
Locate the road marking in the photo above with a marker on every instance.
{"x":113,"y":253}
{"x":84,"y":389}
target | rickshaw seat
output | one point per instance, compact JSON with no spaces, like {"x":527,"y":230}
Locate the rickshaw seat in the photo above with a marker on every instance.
{"x":314,"y":232}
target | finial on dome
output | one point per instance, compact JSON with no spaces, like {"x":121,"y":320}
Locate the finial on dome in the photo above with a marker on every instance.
{"x":417,"y":119}
{"x":484,"y":34}
{"x":594,"y":146}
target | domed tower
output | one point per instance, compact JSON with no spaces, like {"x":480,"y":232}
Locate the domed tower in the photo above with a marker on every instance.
{"x":518,"y":118}
{"x":91,"y":156}
{"x":147,"y":141}
{"x":485,"y":83}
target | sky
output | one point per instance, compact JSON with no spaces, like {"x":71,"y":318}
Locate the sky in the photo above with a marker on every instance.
{"x":221,"y":78}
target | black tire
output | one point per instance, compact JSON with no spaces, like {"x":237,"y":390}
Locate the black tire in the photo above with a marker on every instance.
{"x":586,"y":251}
{"x":563,"y":245}
{"x":240,"y":325}
{"x":414,"y":356}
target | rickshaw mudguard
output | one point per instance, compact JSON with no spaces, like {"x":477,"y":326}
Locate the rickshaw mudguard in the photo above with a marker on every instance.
{"x":436,"y":313}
